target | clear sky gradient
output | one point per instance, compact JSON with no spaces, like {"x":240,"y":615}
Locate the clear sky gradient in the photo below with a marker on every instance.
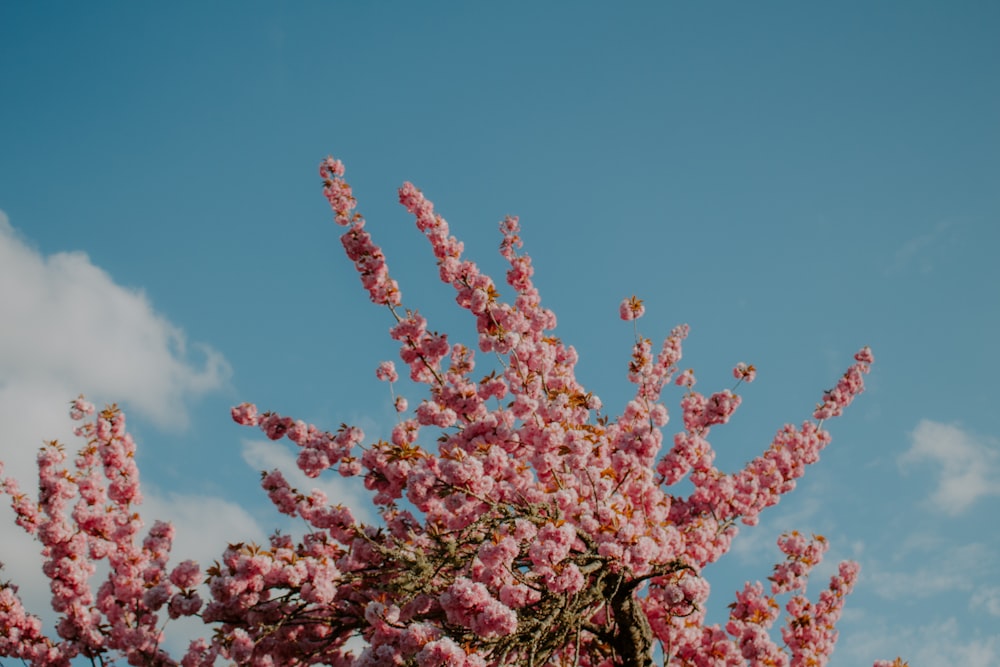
{"x":794,"y":180}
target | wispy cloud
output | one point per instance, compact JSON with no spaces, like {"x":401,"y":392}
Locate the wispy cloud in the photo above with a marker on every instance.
{"x":932,"y":572}
{"x":914,"y":253}
{"x":940,"y":643}
{"x":987,"y":599}
{"x":966,"y":465}
{"x":943,"y":568}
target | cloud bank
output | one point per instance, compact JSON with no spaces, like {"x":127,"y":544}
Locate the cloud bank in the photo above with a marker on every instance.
{"x":69,"y":328}
{"x":966,"y":465}
{"x":68,"y":322}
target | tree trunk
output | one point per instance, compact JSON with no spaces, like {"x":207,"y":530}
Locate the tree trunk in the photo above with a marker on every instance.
{"x":633,"y":637}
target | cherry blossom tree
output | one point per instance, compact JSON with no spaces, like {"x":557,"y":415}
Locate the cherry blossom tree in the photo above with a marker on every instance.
{"x":520,"y":525}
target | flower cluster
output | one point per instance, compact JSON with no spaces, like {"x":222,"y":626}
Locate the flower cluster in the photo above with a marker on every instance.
{"x":810,"y":633}
{"x":524,"y":533}
{"x":631,"y":309}
{"x":744,"y":372}
{"x":518,"y":524}
{"x":85,"y":513}
{"x":849,"y":386}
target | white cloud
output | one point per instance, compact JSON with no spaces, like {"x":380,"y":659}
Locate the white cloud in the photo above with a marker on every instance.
{"x":944,"y":568}
{"x":69,"y":323}
{"x":203,"y":525}
{"x":967,"y":465}
{"x":931,"y":572}
{"x":69,"y":328}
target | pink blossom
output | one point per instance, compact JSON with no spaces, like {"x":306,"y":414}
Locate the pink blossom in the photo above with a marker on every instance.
{"x":241,"y":646}
{"x":847,"y":388}
{"x":442,"y":652}
{"x":332,"y":167}
{"x":744,"y":372}
{"x":187,"y":603}
{"x":275,"y":426}
{"x":186,"y":575}
{"x":685,"y":379}
{"x":245,"y":414}
{"x":80,"y":408}
{"x":386,"y":372}
{"x":631,"y":309}
{"x":470,"y":604}
{"x":349,"y":467}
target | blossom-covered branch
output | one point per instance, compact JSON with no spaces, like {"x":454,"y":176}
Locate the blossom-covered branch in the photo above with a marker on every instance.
{"x":519,"y":525}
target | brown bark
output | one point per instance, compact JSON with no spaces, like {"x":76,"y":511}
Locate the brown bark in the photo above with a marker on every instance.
{"x":632,"y":640}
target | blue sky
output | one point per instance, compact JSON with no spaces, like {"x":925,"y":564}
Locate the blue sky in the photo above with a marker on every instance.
{"x":794,"y":180}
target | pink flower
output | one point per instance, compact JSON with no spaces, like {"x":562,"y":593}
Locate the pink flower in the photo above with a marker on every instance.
{"x":631,"y":309}
{"x":184,"y":604}
{"x":865,"y":355}
{"x":274,"y":425}
{"x":442,"y":652}
{"x":331,"y":167}
{"x":685,"y":379}
{"x":156,"y":597}
{"x":186,"y":575}
{"x":744,"y":373}
{"x":848,"y":387}
{"x":245,"y":414}
{"x":349,"y":467}
{"x":386,"y":372}
{"x":241,"y":647}
{"x":80,"y":408}
{"x":470,"y":604}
